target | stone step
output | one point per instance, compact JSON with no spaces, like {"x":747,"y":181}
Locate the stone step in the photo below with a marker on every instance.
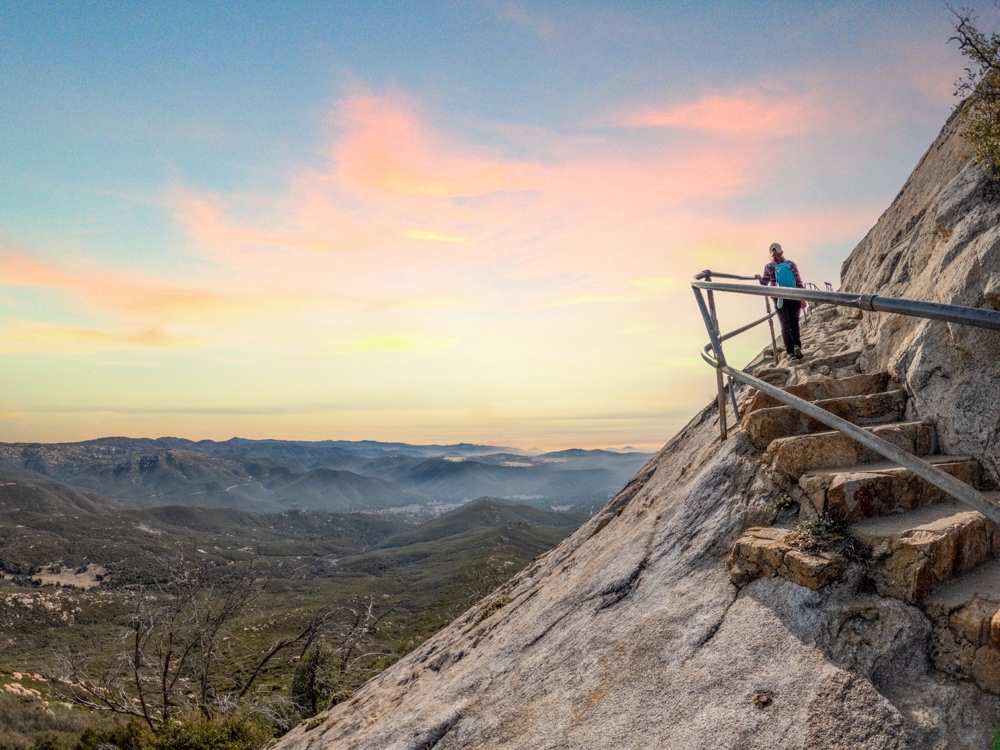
{"x":765,"y":551}
{"x":915,"y":551}
{"x":878,"y":489}
{"x":791,"y":457}
{"x":859,"y":385}
{"x":836,"y":361}
{"x":983,"y":584}
{"x":965,"y":640}
{"x":765,"y":425}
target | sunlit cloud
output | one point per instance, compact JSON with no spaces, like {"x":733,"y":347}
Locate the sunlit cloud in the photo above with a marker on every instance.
{"x":738,"y":114}
{"x":393,"y":180}
{"x":107,"y":289}
{"x":422,"y":234}
{"x":65,"y":339}
{"x":388,"y":149}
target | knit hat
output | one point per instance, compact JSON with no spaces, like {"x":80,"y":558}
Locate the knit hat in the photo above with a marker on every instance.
{"x":775,"y":248}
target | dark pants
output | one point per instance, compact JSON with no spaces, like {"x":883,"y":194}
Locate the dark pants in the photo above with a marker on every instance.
{"x":788,"y":316}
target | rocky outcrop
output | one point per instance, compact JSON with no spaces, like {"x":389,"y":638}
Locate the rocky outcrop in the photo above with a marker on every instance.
{"x":940,"y":242}
{"x":631,"y":634}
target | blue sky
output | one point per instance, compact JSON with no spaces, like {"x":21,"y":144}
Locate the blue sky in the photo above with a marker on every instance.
{"x":425,"y":221}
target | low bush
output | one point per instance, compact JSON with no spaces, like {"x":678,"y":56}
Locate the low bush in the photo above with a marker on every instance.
{"x":195,"y":733}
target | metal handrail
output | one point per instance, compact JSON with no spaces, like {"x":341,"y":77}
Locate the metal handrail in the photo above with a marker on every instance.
{"x":710,"y":315}
{"x":972,"y":316}
{"x":935,"y":311}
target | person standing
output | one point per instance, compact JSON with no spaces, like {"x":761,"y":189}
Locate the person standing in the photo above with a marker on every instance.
{"x":782,"y":272}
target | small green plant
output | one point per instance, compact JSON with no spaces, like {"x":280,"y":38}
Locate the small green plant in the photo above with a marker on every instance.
{"x":784,"y":502}
{"x":820,"y":534}
{"x":193,"y":732}
{"x":492,"y":608}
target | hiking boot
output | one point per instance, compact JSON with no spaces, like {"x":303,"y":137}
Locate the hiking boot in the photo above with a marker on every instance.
{"x":797,"y":352}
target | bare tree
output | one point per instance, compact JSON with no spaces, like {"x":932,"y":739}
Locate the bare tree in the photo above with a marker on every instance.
{"x":172,"y":650}
{"x":352,"y":632}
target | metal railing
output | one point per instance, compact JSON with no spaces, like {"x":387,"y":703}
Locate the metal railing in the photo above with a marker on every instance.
{"x":988,"y":319}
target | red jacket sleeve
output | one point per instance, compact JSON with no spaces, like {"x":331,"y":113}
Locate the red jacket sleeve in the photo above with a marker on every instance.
{"x":768,"y":279}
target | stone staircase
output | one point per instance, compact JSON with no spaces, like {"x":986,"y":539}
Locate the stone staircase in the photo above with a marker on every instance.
{"x":901,"y":536}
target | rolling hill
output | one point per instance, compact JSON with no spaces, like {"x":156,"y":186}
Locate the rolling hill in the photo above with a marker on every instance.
{"x":271,"y":476}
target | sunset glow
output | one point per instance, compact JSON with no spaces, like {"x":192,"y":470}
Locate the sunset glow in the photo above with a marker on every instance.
{"x":473,"y":224}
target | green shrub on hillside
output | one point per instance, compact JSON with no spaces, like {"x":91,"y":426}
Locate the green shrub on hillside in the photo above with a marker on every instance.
{"x":980,"y":86}
{"x":196,"y":733}
{"x":24,"y":723}
{"x":316,"y":683}
{"x":232,"y":733}
{"x":130,"y":736}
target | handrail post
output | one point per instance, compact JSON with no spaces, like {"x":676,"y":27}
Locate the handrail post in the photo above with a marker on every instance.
{"x":711,"y":310}
{"x":770,"y":324}
{"x":722,"y":405}
{"x":732,"y":395}
{"x":719,"y":381}
{"x":708,"y":315}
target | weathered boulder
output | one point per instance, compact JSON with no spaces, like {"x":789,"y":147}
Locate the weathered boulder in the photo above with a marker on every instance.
{"x":759,"y":552}
{"x":812,"y":570}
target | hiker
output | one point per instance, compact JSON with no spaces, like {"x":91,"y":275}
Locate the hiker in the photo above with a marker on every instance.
{"x":782,"y":272}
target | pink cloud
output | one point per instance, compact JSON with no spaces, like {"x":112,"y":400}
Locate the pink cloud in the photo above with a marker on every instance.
{"x":407,"y":226}
{"x":388,"y":149}
{"x":399,"y":196}
{"x":739,"y":114}
{"x":108,"y":289}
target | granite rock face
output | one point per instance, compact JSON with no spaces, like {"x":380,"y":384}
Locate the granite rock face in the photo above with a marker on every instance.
{"x":939,"y":242}
{"x":631,"y":634}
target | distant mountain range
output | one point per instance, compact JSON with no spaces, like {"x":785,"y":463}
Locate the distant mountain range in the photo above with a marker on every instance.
{"x":271,"y":476}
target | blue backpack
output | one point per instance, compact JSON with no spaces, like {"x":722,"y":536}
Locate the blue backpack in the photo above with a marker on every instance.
{"x":784,"y":275}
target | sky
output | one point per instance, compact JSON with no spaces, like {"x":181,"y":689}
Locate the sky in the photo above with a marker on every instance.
{"x":431,"y":222}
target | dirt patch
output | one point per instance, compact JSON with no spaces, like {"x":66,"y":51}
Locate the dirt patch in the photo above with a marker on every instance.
{"x":84,"y":577}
